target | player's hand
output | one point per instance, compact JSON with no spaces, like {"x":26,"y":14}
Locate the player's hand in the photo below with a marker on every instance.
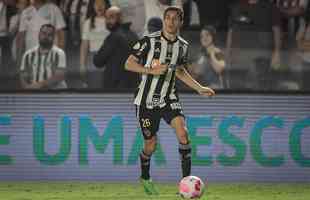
{"x":157,"y":68}
{"x":206,"y":91}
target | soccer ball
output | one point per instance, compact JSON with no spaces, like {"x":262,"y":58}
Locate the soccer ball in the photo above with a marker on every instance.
{"x":191,"y":187}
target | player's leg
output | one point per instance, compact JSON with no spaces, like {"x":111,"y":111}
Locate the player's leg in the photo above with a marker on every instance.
{"x":179,"y":125}
{"x":173,"y":115}
{"x":149,"y":123}
{"x":145,"y":160}
{"x":145,"y":156}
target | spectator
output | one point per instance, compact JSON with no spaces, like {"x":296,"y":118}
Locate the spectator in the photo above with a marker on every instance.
{"x":7,"y":10}
{"x":115,"y":51}
{"x":290,"y":11}
{"x":94,"y":34}
{"x":43,"y":67}
{"x":32,"y":18}
{"x":303,"y":47}
{"x":154,"y":24}
{"x":14,"y":24}
{"x":210,"y":65}
{"x":139,"y":12}
{"x":253,"y":41}
{"x":133,"y":12}
{"x":187,"y":9}
{"x":76,"y":12}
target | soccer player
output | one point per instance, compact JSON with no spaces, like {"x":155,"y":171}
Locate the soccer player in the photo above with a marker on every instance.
{"x":161,"y":57}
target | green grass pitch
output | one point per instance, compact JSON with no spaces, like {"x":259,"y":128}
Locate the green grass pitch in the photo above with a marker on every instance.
{"x":133,"y":191}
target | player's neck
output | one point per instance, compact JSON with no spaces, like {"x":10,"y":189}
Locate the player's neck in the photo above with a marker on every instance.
{"x":44,"y":50}
{"x":170,"y":37}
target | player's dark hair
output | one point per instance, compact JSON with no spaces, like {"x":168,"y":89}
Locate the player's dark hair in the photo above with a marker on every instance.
{"x":48,"y":26}
{"x":177,"y":9}
{"x":211,"y":29}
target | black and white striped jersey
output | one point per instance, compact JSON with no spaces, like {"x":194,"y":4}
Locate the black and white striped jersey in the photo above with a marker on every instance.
{"x":156,"y":91}
{"x":38,"y":67}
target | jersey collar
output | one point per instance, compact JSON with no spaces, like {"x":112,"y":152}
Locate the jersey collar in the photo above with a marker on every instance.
{"x":169,"y":41}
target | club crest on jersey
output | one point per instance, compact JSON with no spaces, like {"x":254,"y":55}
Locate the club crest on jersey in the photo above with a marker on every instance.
{"x":136,"y":46}
{"x":156,"y":99}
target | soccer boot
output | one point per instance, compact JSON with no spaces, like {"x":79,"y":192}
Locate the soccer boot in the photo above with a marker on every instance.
{"x":149,"y":186}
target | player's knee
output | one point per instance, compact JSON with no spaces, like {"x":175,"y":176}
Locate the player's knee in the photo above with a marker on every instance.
{"x":183,"y":136}
{"x":183,"y":139}
{"x":150,"y":145}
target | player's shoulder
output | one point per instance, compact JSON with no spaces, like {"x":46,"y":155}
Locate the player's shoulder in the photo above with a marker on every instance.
{"x":50,"y":5}
{"x":27,"y":12}
{"x":58,"y":50}
{"x":154,"y":34}
{"x":183,"y":41}
{"x":32,"y":50}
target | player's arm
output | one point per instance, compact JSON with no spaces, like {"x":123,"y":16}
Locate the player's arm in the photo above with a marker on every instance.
{"x":217,"y":61}
{"x":133,"y":65}
{"x":24,"y":76}
{"x":60,"y":25}
{"x":58,"y":76}
{"x":60,"y":38}
{"x":53,"y":80}
{"x":183,"y":75}
{"x":139,"y":52}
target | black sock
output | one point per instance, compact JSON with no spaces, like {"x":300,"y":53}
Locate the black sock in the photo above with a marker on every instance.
{"x":145,"y":165}
{"x":185,"y":154}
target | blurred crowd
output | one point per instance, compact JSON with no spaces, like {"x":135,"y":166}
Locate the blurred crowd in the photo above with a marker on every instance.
{"x":259,"y":45}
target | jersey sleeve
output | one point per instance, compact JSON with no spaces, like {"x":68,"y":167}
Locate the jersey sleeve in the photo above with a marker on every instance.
{"x":59,"y":21}
{"x":141,"y":48}
{"x":184,"y":58}
{"x":62,"y":59}
{"x":23,"y":22}
{"x":23,"y":63}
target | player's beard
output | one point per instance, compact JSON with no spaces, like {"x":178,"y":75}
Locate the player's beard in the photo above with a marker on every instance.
{"x":46,"y":44}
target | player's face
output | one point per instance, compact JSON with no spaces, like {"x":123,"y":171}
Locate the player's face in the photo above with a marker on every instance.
{"x":172,"y":22}
{"x":205,"y":38}
{"x":112,"y":19}
{"x":46,"y":37}
{"x":100,"y":7}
